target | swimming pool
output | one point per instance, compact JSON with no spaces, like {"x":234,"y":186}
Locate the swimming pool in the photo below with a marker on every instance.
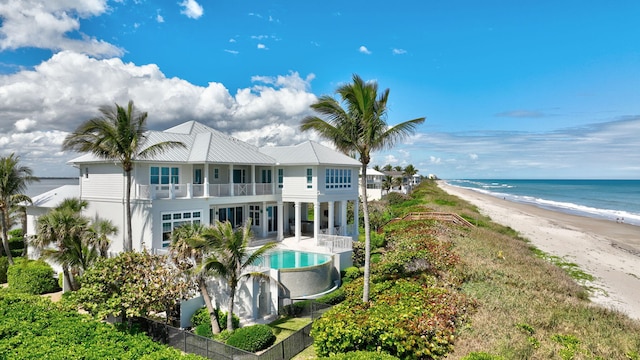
{"x":300,"y":273}
{"x":291,"y":259}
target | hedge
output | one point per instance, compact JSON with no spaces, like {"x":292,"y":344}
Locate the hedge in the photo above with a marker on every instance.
{"x":362,"y":355}
{"x":31,"y":277}
{"x":200,"y":319}
{"x":32,"y":327}
{"x":252,"y":338}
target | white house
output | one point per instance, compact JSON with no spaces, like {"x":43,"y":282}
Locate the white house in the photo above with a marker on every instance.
{"x":374,"y":184}
{"x":218,"y":177}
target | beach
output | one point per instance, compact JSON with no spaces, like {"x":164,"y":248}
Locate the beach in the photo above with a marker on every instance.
{"x":607,"y":250}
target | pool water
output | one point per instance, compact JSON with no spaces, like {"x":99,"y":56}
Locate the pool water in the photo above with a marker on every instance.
{"x":290,"y":259}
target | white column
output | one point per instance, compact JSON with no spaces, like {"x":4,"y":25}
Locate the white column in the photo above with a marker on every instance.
{"x":356,"y":218}
{"x":316,"y":220}
{"x":280,"y":221}
{"x":343,"y":217}
{"x":298,"y":223}
{"x":263,"y":215}
{"x":253,"y":180}
{"x":231,"y":180}
{"x":206,"y":180}
{"x":331,"y":215}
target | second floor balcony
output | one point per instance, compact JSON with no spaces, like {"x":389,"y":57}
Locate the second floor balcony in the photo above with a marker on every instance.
{"x":190,"y":191}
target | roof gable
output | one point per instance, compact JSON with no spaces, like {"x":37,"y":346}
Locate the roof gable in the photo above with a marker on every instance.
{"x":309,"y":152}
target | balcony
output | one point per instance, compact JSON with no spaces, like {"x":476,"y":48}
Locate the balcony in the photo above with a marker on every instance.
{"x":194,"y":191}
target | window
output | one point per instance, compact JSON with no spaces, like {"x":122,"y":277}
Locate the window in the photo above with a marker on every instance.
{"x":309,"y":178}
{"x":338,"y":178}
{"x":280,"y":178}
{"x":197,"y":176}
{"x":254,"y":214}
{"x":266,"y":176}
{"x":164,"y":175}
{"x":216,"y":173}
{"x":172,"y":220}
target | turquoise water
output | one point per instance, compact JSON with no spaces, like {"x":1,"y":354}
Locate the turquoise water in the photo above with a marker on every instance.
{"x":603,"y":199}
{"x":290,"y":259}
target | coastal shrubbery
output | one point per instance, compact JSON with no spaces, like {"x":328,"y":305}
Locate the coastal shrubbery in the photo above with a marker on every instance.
{"x":32,"y":327}
{"x":4,"y":266}
{"x":31,"y":277}
{"x":200,"y":321}
{"x":415,"y":308}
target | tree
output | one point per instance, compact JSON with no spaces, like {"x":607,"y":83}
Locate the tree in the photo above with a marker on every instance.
{"x":409,"y":171}
{"x":131,"y":284}
{"x":14,"y":179}
{"x":231,"y":258}
{"x":188,"y":249}
{"x":397,"y":168}
{"x":359,"y":128}
{"x":387,"y":167}
{"x":100,"y":230}
{"x":70,"y":233}
{"x":119,"y":134}
{"x":387,"y":183}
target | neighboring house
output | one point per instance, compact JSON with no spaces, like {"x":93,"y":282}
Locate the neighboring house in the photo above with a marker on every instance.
{"x":218,"y":177}
{"x":374,"y":184}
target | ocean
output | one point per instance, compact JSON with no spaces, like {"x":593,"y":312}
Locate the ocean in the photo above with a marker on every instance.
{"x":46,"y":184}
{"x":616,"y":200}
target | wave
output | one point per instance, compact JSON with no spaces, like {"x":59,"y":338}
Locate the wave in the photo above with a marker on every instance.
{"x":566,"y":207}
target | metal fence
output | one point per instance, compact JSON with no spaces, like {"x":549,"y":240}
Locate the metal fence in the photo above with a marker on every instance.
{"x":188,"y":342}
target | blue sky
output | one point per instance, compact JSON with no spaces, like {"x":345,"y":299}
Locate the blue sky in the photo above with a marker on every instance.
{"x":510,"y":89}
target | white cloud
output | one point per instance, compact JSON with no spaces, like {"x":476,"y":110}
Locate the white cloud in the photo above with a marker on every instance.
{"x":191,"y":9}
{"x":434,"y":160}
{"x":159,"y":17}
{"x":24,"y":125}
{"x":232,"y":40}
{"x":473,"y":156}
{"x":262,"y":47}
{"x":55,"y":97}
{"x":234,"y":52}
{"x":47,"y":24}
{"x":363,"y":49}
{"x":398,"y":51}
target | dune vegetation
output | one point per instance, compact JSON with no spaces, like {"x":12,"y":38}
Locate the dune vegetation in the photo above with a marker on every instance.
{"x":513,"y":301}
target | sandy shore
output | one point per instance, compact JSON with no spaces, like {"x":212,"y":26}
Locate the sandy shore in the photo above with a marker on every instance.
{"x":605,"y":249}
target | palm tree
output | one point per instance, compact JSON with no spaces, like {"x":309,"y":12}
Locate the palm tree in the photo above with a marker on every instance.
{"x":65,"y":227}
{"x":119,"y":134}
{"x":387,"y":167}
{"x":387,"y":183}
{"x":376,"y":168}
{"x":359,"y":128}
{"x":409,"y":171}
{"x":101,"y":229}
{"x":188,"y":249}
{"x":231,"y":257}
{"x":14,"y":179}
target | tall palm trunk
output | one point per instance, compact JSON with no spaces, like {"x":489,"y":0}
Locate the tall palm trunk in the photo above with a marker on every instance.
{"x":213,"y":317}
{"x":367,"y":236}
{"x":128,"y":241}
{"x":5,"y":234}
{"x":230,"y":313}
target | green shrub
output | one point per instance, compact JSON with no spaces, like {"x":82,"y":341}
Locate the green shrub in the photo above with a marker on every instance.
{"x":4,"y":265}
{"x":16,"y":240}
{"x":351,"y":273}
{"x":203,"y":330}
{"x":31,"y":277}
{"x":33,"y":327}
{"x":361,"y":355}
{"x":332,"y":298}
{"x":357,"y":257}
{"x":201,"y":317}
{"x":252,"y":338}
{"x":396,"y":198}
{"x":295,"y":309}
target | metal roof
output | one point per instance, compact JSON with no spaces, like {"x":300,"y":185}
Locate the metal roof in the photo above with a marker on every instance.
{"x":53,"y":198}
{"x":309,"y":153}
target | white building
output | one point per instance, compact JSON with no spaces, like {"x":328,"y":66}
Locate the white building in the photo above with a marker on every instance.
{"x":375,"y":179}
{"x":218,"y":177}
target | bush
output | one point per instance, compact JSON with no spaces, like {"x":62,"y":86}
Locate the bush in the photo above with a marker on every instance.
{"x":31,"y":277}
{"x":361,"y":355}
{"x":396,"y":198}
{"x":332,"y":298}
{"x":295,"y":309}
{"x":203,"y":330}
{"x":4,"y":265}
{"x":16,"y":240}
{"x":351,"y":273}
{"x":252,"y":338}
{"x":201,"y":317}
{"x":33,"y":327}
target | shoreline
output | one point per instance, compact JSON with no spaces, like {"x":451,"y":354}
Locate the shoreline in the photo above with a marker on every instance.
{"x":608,"y":250}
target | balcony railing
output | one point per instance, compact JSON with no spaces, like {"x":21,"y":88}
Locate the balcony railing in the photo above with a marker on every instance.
{"x":188,"y":191}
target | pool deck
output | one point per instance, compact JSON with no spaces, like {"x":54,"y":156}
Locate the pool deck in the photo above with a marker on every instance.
{"x":306,"y":243}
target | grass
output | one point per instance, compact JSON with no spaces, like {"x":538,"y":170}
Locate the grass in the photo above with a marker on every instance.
{"x":284,"y":327}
